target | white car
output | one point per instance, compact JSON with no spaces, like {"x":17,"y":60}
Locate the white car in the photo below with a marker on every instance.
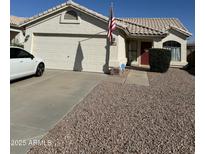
{"x":22,"y":64}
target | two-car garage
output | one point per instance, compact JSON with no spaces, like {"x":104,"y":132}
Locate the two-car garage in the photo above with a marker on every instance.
{"x":72,"y":37}
{"x":71,"y":52}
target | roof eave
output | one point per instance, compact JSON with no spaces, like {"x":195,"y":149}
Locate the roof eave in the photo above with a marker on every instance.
{"x":40,"y":16}
{"x":61,"y":7}
{"x":14,"y":25}
{"x":186,"y":33}
{"x":148,"y":35}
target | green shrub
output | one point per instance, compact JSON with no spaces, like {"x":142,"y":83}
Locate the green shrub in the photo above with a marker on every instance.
{"x":159,"y":59}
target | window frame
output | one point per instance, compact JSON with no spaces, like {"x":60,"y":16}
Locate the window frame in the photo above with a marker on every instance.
{"x":67,"y":21}
{"x":17,"y":55}
{"x":173,"y":46}
{"x":71,"y":13}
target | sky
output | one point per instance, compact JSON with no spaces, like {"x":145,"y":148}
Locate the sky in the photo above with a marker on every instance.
{"x":182,"y":9}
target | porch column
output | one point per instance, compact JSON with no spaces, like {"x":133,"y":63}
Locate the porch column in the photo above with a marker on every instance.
{"x":138,"y":52}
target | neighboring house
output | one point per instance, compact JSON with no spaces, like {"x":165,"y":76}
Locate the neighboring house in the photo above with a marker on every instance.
{"x":16,"y":32}
{"x":72,"y":37}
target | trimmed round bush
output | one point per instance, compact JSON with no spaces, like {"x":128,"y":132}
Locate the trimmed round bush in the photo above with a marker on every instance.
{"x":159,"y":59}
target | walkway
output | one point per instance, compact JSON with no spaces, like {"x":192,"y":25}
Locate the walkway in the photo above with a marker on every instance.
{"x":137,"y":77}
{"x":134,"y":77}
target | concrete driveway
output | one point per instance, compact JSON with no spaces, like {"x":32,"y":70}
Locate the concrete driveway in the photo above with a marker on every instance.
{"x":37,"y":104}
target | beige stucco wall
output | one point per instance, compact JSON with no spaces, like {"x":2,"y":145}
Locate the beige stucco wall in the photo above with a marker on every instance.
{"x":121,"y":50}
{"x":87,"y":26}
{"x":174,"y":36}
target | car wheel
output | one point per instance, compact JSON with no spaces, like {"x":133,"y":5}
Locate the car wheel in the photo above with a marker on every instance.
{"x":40,"y":69}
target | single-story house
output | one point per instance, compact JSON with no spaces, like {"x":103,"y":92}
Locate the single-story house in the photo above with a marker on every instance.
{"x":73,"y":37}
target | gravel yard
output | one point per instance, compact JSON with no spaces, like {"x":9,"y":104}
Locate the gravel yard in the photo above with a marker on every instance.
{"x":116,"y":118}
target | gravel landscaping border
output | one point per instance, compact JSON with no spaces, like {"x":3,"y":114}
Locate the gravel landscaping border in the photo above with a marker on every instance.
{"x":116,"y":118}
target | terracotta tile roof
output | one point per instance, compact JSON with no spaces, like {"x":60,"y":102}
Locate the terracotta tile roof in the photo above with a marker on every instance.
{"x":156,"y":23}
{"x":133,"y":26}
{"x":62,"y":6}
{"x":14,"y":20}
{"x":153,"y":26}
{"x":125,"y":25}
{"x":139,"y":29}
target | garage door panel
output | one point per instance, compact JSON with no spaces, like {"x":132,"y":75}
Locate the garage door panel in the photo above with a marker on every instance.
{"x":66,"y":52}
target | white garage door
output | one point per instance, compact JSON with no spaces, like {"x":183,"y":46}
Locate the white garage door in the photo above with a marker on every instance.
{"x":71,"y":53}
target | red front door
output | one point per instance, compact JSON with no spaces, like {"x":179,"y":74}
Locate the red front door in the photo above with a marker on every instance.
{"x":145,"y":46}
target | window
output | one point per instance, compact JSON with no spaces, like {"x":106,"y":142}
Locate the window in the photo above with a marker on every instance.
{"x":71,"y":15}
{"x":24,"y":54}
{"x":13,"y":52}
{"x":175,"y":48}
{"x":132,"y":51}
{"x":19,"y":53}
